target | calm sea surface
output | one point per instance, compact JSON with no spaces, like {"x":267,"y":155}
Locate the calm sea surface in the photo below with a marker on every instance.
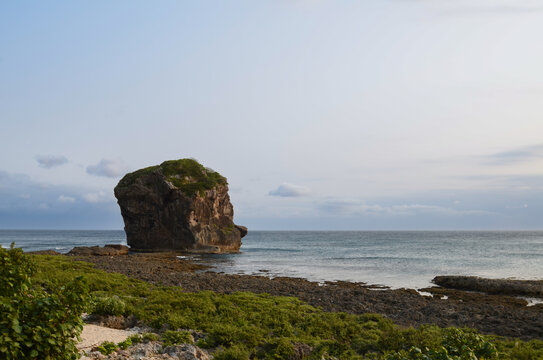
{"x":393,"y":258}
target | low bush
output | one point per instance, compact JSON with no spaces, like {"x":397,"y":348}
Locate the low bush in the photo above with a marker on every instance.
{"x":236,"y":352}
{"x":107,"y":347}
{"x":108,"y":305}
{"x":146,"y":337}
{"x":170,"y":337}
{"x":457,"y":344}
{"x":37,"y":322}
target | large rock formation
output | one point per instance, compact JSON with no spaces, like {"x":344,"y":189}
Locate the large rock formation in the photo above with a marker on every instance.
{"x":178,"y":205}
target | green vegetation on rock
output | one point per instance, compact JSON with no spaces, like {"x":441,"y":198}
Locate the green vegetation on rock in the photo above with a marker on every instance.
{"x":188,"y":175}
{"x":259,"y":326}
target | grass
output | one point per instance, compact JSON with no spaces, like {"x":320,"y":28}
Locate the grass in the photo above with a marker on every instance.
{"x":187,"y":175}
{"x":246,"y":325}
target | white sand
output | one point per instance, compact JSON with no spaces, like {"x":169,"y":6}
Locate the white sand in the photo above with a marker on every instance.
{"x":94,"y":335}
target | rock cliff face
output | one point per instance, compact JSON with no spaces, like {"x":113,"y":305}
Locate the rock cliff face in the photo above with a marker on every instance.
{"x":178,"y":205}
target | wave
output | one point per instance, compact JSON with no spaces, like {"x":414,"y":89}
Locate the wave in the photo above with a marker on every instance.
{"x":273,"y":249}
{"x":379,"y":258}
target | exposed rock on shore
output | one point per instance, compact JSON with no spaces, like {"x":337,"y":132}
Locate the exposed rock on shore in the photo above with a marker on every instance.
{"x":178,"y":205}
{"x":533,"y":288}
{"x":153,"y":351}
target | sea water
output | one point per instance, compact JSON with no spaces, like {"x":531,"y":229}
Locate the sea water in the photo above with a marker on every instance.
{"x":392,"y":258}
{"x":61,"y":241}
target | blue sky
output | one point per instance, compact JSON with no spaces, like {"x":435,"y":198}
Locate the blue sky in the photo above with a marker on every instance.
{"x":378,"y":114}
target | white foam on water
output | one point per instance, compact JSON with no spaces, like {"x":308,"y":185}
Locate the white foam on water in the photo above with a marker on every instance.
{"x":532,"y":301}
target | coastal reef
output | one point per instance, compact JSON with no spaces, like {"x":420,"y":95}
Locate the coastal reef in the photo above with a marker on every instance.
{"x":178,"y":205}
{"x":531,"y":288}
{"x":490,"y":314}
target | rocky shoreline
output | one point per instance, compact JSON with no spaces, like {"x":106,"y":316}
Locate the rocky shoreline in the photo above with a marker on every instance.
{"x":489,"y":313}
{"x":529,"y":288}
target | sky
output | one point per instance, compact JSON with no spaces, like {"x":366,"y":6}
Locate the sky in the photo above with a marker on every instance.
{"x":323,"y":115}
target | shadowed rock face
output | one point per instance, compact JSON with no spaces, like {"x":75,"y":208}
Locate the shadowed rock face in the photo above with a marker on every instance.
{"x":178,"y":205}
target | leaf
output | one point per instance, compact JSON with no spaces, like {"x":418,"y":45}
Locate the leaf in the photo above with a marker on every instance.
{"x":17,"y":328}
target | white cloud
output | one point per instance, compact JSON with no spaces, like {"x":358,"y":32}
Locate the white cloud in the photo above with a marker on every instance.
{"x":108,"y":168}
{"x":517,"y":155}
{"x":49,"y":161}
{"x":524,"y":206}
{"x":290,"y":190}
{"x":44,"y":206}
{"x":97,"y":197}
{"x":65,"y":199}
{"x":355,"y":207}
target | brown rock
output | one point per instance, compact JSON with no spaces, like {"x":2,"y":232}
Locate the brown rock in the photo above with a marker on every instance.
{"x":178,"y":205}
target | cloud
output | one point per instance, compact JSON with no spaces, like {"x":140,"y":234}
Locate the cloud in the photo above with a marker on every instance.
{"x":523,"y":206}
{"x":27,"y":204}
{"x":97,"y":197}
{"x":508,"y":182}
{"x":65,"y":199}
{"x":108,"y":168}
{"x":488,"y":7}
{"x":517,"y":155}
{"x":290,"y":190}
{"x":49,"y":161}
{"x":356,"y":207}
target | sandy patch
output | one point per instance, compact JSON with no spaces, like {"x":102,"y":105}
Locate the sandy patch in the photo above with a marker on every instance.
{"x":93,"y":335}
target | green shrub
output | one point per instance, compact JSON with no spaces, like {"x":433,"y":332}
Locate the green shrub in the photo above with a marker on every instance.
{"x":279,"y":348}
{"x":520,"y":350}
{"x":236,"y":352}
{"x":170,"y":337}
{"x":467,"y":342}
{"x":107,"y":347}
{"x":37,"y":323}
{"x":109,"y":305}
{"x":126,"y":343}
{"x":149,"y":337}
{"x":135,"y":339}
{"x":457,"y":344}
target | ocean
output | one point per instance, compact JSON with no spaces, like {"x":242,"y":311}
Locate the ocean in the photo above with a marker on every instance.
{"x":391,"y":258}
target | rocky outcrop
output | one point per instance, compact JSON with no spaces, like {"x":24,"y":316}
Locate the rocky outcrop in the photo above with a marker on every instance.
{"x":532,"y":288}
{"x":178,"y":205}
